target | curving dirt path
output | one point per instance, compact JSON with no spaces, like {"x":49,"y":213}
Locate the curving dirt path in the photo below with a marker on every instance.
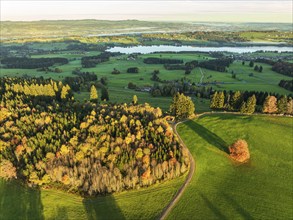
{"x":179,"y":193}
{"x":202,"y":75}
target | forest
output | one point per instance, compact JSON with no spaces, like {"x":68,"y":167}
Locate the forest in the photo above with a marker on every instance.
{"x":287,"y":84}
{"x":47,"y":139}
{"x":31,"y":63}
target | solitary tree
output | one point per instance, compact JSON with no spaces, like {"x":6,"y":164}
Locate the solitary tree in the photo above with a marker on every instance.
{"x":239,"y":151}
{"x":251,"y":63}
{"x":260,"y":69}
{"x":93,"y":94}
{"x":182,"y":106}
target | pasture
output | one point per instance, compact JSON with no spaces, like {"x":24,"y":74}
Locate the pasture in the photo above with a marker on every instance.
{"x":223,"y":189}
{"x":267,"y":80}
{"x":20,"y":202}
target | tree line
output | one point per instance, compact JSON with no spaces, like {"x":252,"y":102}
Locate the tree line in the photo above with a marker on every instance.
{"x":31,"y":63}
{"x":249,"y":102}
{"x":155,"y":60}
{"x":286,"y":84}
{"x":92,"y":61}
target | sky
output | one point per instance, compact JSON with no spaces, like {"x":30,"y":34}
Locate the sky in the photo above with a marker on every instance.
{"x":164,"y":10}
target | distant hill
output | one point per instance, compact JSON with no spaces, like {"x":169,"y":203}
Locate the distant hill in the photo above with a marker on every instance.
{"x":65,"y":28}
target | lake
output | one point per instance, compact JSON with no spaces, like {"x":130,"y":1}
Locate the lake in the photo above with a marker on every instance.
{"x":168,"y":48}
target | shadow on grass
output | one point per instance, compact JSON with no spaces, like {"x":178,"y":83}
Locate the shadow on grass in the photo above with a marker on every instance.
{"x":61,"y":213}
{"x":102,"y":207}
{"x":19,"y":202}
{"x":208,"y":136}
{"x":237,"y":207}
{"x":212,"y":207}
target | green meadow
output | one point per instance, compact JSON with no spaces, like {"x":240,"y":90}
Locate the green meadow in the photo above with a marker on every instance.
{"x":266,"y":81}
{"x":20,"y":202}
{"x":223,"y":189}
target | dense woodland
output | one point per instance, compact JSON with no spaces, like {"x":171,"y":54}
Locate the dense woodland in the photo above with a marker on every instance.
{"x":279,"y":66}
{"x":31,"y":63}
{"x":48,"y":139}
{"x":287,"y":84}
{"x":217,"y":64}
{"x":92,"y":61}
{"x":155,"y":60}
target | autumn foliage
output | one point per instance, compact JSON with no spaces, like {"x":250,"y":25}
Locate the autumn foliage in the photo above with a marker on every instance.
{"x":239,"y":151}
{"x":83,"y":147}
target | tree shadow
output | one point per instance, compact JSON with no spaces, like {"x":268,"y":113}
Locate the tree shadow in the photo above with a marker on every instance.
{"x":212,"y":207}
{"x":208,"y":136}
{"x":102,"y":207}
{"x":19,"y":202}
{"x":238,"y":207}
{"x":61,"y":213}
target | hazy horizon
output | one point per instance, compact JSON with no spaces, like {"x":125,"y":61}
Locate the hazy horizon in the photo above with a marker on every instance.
{"x":180,"y":11}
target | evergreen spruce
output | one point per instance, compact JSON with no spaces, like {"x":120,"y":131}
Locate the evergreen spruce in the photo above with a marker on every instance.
{"x":282,"y":105}
{"x":250,"y":106}
{"x":105,"y":94}
{"x":182,"y":106}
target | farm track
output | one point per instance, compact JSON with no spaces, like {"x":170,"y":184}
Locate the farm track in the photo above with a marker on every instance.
{"x":181,"y":190}
{"x":202,"y":75}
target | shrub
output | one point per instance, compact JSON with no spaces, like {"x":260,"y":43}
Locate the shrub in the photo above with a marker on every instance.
{"x":239,"y":151}
{"x":115,"y":71}
{"x":132,"y":70}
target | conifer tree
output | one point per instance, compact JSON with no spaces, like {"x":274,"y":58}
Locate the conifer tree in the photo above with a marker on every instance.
{"x":270,"y":105}
{"x":64,"y":92}
{"x":282,"y":105}
{"x":243,"y":108}
{"x":250,"y":106}
{"x":221,"y":100}
{"x":134,"y":100}
{"x":105,"y":94}
{"x":213,"y":104}
{"x":290,"y":106}
{"x":236,"y":100}
{"x":182,"y":106}
{"x":93,"y":94}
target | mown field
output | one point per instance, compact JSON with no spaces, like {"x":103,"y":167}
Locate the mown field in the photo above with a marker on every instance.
{"x":19,"y":202}
{"x":223,"y":189}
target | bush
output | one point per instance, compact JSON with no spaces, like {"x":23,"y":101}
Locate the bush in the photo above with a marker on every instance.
{"x":131,"y":85}
{"x":115,"y":71}
{"x":132,"y":70}
{"x":239,"y":151}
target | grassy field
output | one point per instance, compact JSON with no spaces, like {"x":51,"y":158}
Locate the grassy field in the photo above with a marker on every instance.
{"x":222,"y":189}
{"x":19,"y":202}
{"x":117,"y":84}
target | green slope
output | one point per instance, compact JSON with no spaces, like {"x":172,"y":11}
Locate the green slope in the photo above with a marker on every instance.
{"x":222,"y":189}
